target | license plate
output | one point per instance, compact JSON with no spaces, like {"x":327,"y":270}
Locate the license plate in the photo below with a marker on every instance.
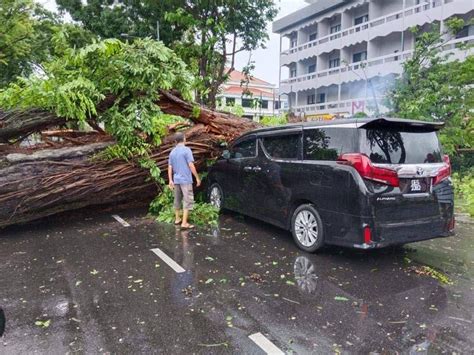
{"x":415,"y":186}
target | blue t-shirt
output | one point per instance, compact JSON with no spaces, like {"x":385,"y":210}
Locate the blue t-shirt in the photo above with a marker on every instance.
{"x":179,"y":159}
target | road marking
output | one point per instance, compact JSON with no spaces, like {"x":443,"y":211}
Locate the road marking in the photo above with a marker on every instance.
{"x":171,"y":263}
{"x":265,"y":344}
{"x":121,"y":220}
{"x":462,"y":320}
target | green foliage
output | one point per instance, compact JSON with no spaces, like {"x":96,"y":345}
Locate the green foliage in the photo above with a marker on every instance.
{"x":360,"y":115}
{"x":202,"y":214}
{"x":205,"y":34}
{"x":274,"y":120}
{"x":433,"y":87}
{"x":134,"y":19}
{"x":21,"y":44}
{"x":26,"y":32}
{"x":215,"y":32}
{"x":236,"y":109}
{"x":464,"y":187}
{"x":78,"y":80}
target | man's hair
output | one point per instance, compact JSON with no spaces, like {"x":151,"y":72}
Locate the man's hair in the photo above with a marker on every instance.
{"x":179,"y":137}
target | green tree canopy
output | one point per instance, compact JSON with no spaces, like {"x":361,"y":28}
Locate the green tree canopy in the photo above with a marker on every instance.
{"x":216,"y":31}
{"x":24,"y":27}
{"x":133,"y":18}
{"x":207,"y":34}
{"x":26,"y":32}
{"x":434,"y":87}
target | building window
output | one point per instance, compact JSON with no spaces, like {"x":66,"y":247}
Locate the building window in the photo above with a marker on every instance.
{"x":358,"y":57}
{"x":230,"y":101}
{"x":335,"y":28}
{"x":264,"y":104}
{"x":292,"y":72}
{"x":311,"y":99}
{"x":293,"y":42}
{"x":334,"y":63}
{"x":360,"y":20}
{"x":321,"y":98}
{"x":464,"y":32}
{"x":247,"y":103}
{"x":312,"y":68}
{"x":313,"y":36}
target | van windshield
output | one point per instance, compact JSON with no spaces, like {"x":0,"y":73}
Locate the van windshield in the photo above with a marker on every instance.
{"x":387,"y":146}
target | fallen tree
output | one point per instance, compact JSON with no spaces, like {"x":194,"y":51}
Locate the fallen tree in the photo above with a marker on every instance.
{"x":43,"y":182}
{"x":103,"y":115}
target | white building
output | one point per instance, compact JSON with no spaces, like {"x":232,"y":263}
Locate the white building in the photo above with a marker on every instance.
{"x":258,"y":98}
{"x":336,"y":56}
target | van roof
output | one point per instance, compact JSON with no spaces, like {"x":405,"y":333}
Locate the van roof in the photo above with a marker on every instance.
{"x":374,"y":122}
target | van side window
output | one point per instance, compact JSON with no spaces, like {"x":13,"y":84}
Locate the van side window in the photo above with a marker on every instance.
{"x":282,"y":147}
{"x":246,"y":149}
{"x":327,"y":143}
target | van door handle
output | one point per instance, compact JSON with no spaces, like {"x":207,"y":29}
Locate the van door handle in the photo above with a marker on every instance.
{"x":247,"y":168}
{"x":257,"y":168}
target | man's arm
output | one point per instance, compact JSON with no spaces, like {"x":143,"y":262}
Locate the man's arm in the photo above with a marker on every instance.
{"x":170,"y":177}
{"x":196,"y":175}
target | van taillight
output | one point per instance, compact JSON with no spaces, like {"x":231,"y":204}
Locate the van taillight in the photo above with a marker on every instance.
{"x":364,"y":167}
{"x":452,"y":224}
{"x":444,"y":172}
{"x":367,"y":235}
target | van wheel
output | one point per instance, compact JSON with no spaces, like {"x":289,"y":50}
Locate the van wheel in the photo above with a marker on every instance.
{"x":307,"y":228}
{"x":215,"y":196}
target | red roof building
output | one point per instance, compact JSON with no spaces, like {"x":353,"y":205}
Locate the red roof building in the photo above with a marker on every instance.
{"x":257,"y":97}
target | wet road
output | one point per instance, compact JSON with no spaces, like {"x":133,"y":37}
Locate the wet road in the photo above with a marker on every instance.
{"x":86,"y":284}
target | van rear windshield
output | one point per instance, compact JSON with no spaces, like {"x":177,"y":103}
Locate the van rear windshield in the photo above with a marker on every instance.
{"x":386,"y":146}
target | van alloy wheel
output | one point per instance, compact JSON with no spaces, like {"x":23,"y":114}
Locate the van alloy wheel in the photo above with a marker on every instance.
{"x":215,"y":196}
{"x":307,"y":228}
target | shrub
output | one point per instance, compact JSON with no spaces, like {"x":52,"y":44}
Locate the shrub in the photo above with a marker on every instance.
{"x":464,"y":188}
{"x":202,"y":214}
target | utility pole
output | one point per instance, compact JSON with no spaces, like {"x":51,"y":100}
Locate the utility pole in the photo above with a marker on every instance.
{"x":157,"y":30}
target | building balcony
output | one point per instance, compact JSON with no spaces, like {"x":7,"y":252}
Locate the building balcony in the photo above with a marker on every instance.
{"x":378,"y":66}
{"x":342,"y":108}
{"x":378,"y":27}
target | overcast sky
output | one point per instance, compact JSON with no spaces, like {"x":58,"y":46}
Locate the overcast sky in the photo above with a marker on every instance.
{"x":266,"y":60}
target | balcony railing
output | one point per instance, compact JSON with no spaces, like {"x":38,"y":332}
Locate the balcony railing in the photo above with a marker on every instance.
{"x":337,"y":106}
{"x":370,"y":24}
{"x":389,"y":58}
{"x":393,"y":57}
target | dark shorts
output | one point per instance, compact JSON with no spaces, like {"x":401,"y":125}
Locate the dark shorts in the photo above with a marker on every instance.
{"x":183,"y":196}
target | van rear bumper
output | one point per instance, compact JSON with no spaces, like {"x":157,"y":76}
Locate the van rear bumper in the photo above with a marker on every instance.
{"x":400,"y":241}
{"x":408,"y":232}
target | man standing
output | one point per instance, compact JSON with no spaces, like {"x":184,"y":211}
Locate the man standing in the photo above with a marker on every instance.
{"x":180,"y":170}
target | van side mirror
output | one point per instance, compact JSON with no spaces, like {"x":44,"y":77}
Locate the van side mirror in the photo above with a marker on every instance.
{"x":226,"y":154}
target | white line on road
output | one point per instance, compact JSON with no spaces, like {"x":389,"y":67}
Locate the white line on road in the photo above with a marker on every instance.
{"x":121,"y":220}
{"x":171,"y":263}
{"x":265,"y":344}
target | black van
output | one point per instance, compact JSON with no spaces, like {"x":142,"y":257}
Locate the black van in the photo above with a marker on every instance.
{"x":362,"y":183}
